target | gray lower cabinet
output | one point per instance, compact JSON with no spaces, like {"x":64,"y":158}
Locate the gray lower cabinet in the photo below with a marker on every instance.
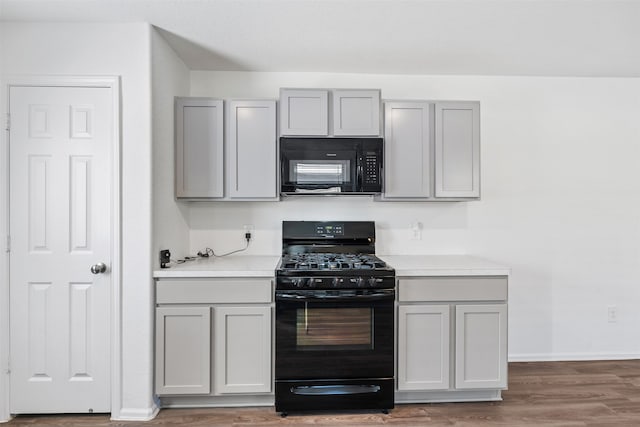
{"x":213,"y":339}
{"x":242,"y":349}
{"x":423,"y":347}
{"x":432,"y":150}
{"x":452,"y":338}
{"x":481,"y":346}
{"x":183,"y":343}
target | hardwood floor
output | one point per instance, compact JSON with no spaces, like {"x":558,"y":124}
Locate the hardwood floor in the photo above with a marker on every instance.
{"x":598,"y":393}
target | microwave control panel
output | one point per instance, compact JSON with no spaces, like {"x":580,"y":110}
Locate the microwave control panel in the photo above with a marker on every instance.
{"x":371,"y":168}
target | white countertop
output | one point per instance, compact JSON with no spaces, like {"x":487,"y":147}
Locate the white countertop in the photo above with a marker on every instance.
{"x":443,"y":265}
{"x":405,"y":265}
{"x":231,"y":266}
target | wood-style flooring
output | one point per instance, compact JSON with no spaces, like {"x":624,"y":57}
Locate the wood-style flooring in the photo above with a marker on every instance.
{"x":593,"y":393}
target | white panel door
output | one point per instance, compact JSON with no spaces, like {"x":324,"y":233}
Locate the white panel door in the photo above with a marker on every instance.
{"x":252,"y":167}
{"x":60,"y":224}
{"x":481,"y":346}
{"x":423,"y":347}
{"x":242,"y":349}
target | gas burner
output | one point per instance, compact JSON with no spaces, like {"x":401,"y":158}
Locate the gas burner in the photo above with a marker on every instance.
{"x":331,"y":261}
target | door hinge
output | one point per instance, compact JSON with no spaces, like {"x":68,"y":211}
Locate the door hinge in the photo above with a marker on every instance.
{"x":8,"y":122}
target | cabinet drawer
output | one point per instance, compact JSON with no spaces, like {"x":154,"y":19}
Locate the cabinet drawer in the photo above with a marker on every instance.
{"x":455,"y":288}
{"x":213,"y":291}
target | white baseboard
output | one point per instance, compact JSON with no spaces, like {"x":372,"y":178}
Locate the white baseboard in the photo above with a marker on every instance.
{"x":137,"y":414}
{"x":567,"y":357}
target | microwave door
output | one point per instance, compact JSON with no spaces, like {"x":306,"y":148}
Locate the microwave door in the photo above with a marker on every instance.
{"x":322,"y":171}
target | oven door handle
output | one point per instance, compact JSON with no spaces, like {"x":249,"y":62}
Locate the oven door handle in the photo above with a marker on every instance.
{"x":346,"y":298}
{"x":331,"y":390}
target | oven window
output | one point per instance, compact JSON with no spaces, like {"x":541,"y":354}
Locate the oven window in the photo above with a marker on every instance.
{"x":319,"y":171}
{"x":334,"y":329}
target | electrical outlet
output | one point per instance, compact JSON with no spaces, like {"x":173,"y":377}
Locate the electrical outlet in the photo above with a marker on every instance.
{"x":248,"y":230}
{"x":612,"y":314}
{"x":416,"y":231}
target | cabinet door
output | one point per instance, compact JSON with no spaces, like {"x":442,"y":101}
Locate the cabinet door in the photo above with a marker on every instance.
{"x":457,"y":149}
{"x":423,"y":347}
{"x":183,"y":343}
{"x":481,"y":346}
{"x":356,"y":112}
{"x":304,"y":112}
{"x":199,"y":148}
{"x":252,"y":163}
{"x":242,"y":350}
{"x":407,"y":150}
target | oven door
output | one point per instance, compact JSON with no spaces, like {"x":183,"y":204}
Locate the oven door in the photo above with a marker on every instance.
{"x":330,"y":334}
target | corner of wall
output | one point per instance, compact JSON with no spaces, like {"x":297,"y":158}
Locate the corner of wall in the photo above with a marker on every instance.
{"x":137,"y":414}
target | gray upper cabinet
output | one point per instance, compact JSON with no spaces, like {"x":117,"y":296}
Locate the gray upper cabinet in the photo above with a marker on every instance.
{"x":356,"y":112}
{"x":407,"y":151}
{"x":329,"y":112}
{"x":239,"y":164}
{"x":304,"y":112}
{"x":199,"y":148}
{"x":457,"y":149}
{"x":251,"y":150}
{"x":432,"y":150}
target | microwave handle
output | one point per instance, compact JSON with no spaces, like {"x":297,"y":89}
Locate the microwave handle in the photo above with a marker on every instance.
{"x":359,"y":172}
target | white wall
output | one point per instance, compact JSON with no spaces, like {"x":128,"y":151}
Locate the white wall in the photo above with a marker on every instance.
{"x":560,"y":201}
{"x":4,"y":259}
{"x":120,"y":50}
{"x":169,"y":78}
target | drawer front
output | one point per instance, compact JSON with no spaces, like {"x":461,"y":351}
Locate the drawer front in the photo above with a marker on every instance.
{"x":214,"y":291}
{"x":454,"y":288}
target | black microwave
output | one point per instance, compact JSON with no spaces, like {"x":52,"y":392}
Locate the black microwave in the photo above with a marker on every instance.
{"x":330,"y":165}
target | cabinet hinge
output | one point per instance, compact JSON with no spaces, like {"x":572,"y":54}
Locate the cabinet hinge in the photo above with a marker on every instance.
{"x":8,"y":244}
{"x":8,"y":122}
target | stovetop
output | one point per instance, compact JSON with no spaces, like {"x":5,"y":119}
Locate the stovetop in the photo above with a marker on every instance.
{"x":330,"y":255}
{"x":333,"y":271}
{"x":331,"y":261}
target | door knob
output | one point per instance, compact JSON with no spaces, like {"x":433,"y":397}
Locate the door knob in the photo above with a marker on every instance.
{"x":98,"y":268}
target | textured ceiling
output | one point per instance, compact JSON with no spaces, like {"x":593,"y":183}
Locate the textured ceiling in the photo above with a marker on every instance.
{"x":481,"y":37}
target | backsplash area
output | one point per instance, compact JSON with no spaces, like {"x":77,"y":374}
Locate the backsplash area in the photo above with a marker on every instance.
{"x":401,"y":228}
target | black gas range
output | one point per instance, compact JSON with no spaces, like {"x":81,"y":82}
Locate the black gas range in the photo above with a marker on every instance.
{"x":334,"y":319}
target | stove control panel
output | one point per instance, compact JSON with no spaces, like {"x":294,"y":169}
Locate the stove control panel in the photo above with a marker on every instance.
{"x":335,"y":282}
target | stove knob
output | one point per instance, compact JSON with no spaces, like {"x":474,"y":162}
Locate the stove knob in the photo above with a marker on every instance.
{"x":298,"y":283}
{"x":372,"y":282}
{"x":336,"y":282}
{"x":311,"y":283}
{"x":361,"y":282}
